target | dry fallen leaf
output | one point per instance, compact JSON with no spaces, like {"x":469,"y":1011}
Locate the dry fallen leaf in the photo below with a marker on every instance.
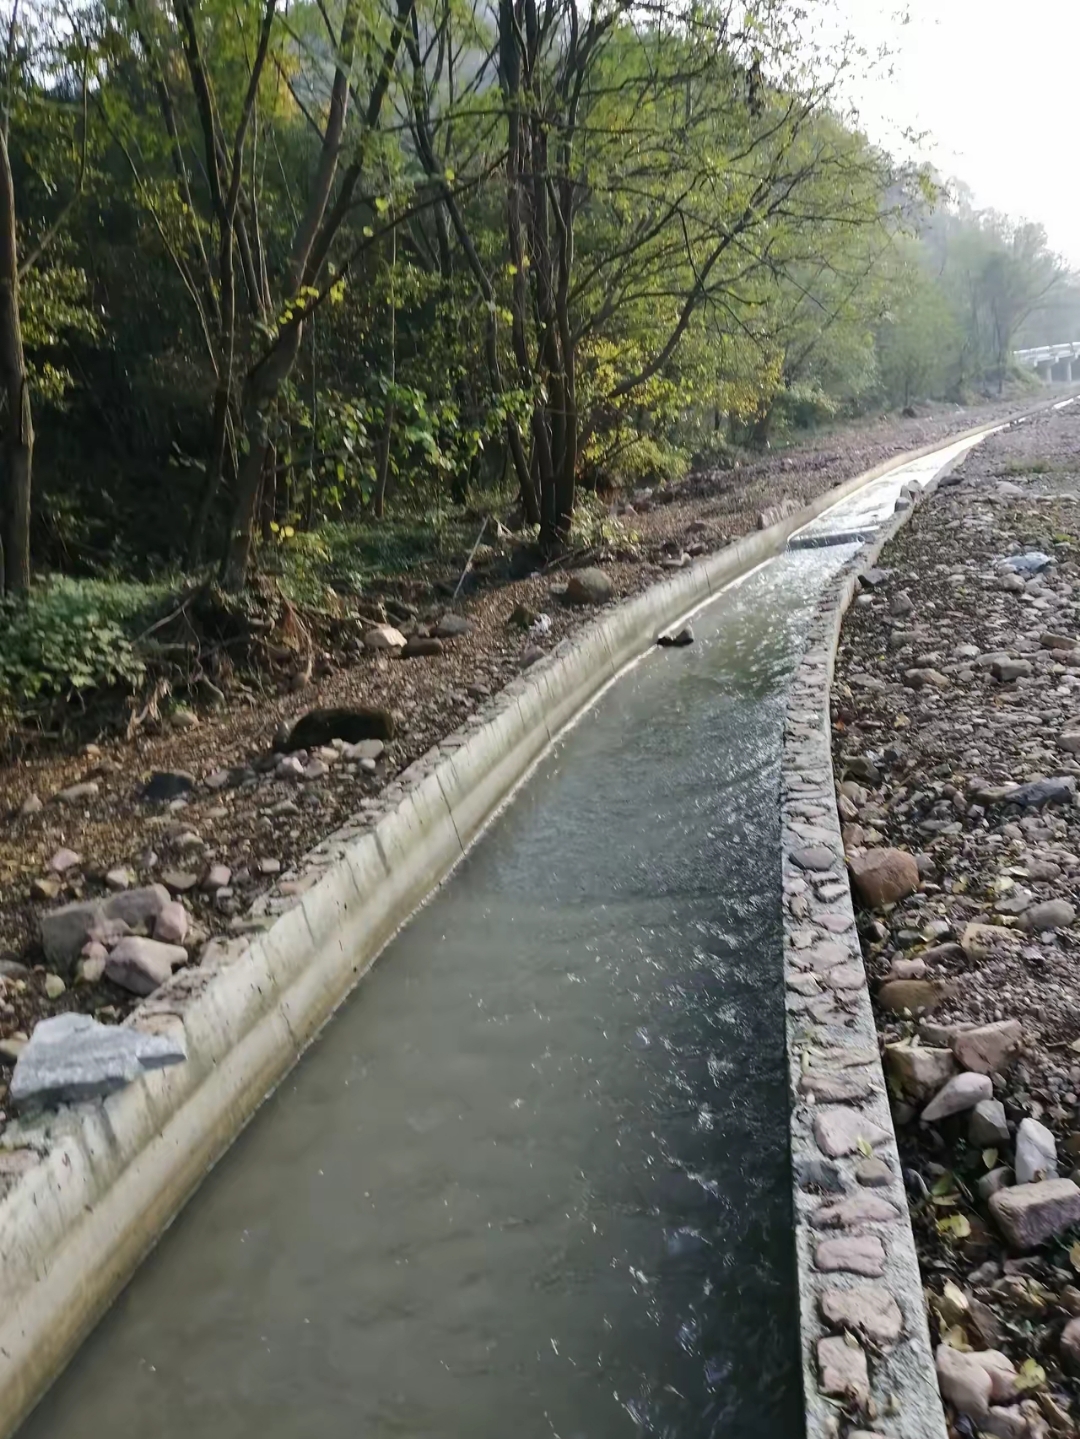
{"x":954,"y":1226}
{"x":1031,"y":1375}
{"x":955,"y":1338}
{"x":989,"y":1157}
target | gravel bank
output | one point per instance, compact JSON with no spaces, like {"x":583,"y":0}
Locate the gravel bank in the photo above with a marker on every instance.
{"x":956,"y":714}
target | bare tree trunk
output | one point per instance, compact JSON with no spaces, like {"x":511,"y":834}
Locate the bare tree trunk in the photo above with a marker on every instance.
{"x":215,"y":467}
{"x":17,"y":435}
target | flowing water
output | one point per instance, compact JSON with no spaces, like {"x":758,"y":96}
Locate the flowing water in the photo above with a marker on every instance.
{"x":533,"y":1180}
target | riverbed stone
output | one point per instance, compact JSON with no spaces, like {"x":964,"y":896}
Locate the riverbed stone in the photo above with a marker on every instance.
{"x":1036,"y":1152}
{"x":143,"y":965}
{"x":964,"y":1382}
{"x":988,"y":1127}
{"x":884,"y":876}
{"x":589,"y":587}
{"x":1030,"y":1214}
{"x":868,"y":1310}
{"x":72,"y":1057}
{"x":171,"y":925}
{"x":962,"y":1092}
{"x":913,"y":996}
{"x":383,"y":638}
{"x":1050,"y":914}
{"x":918,"y":1069}
{"x":989,"y":1048}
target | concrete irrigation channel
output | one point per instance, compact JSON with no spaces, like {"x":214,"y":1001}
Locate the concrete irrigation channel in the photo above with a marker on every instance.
{"x":535,"y":1177}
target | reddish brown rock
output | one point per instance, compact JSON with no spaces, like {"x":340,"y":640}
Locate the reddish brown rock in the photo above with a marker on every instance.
{"x":883,"y":876}
{"x":991,"y":1048}
{"x":1030,"y":1214}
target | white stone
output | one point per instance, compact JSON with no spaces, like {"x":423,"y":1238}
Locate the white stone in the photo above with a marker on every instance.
{"x":72,"y":1057}
{"x":1036,"y":1153}
{"x":963,"y":1091}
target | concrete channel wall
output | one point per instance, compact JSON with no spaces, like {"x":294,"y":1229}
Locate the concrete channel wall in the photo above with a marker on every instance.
{"x":858,"y":1270}
{"x":85,"y":1192}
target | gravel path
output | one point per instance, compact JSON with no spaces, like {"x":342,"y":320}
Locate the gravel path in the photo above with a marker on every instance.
{"x":956,"y":710}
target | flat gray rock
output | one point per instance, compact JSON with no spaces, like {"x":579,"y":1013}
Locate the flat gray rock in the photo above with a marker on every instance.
{"x":72,"y":1057}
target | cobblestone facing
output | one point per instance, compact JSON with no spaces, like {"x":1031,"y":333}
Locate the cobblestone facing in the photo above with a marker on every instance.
{"x":859,"y":1278}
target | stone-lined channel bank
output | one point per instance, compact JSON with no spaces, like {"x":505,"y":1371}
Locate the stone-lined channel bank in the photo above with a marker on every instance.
{"x":535,"y":1176}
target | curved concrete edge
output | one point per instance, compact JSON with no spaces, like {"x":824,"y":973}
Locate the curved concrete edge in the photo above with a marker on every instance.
{"x":852,"y":1233}
{"x":87,"y":1191}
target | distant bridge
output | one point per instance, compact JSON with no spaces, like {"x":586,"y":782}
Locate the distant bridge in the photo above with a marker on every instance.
{"x":1056,"y":364}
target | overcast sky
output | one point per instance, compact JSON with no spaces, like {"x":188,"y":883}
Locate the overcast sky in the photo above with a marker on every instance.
{"x":995,"y":83}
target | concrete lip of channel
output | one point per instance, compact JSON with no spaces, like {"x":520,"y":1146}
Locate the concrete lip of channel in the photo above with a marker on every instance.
{"x":86,"y":1190}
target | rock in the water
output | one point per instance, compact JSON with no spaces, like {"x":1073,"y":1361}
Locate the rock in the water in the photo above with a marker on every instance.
{"x":143,"y":965}
{"x":168,"y":784}
{"x":963,"y":1092}
{"x":990,"y":1048}
{"x":45,"y":888}
{"x":118,"y":879}
{"x":1030,"y":1214}
{"x":321,"y":726}
{"x":72,"y":1057}
{"x":884,"y":876}
{"x":171,"y":925}
{"x":289,"y":767}
{"x":1036,"y":1152}
{"x":1050,"y":914}
{"x":218,"y":876}
{"x":988,"y":1127}
{"x":136,"y":907}
{"x":384,"y":637}
{"x":31,"y":805}
{"x":678,"y":640}
{"x":451,"y":626}
{"x":589,"y":587}
{"x":180,"y":881}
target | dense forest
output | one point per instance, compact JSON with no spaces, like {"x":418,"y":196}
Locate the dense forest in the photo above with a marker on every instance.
{"x":269,"y":268}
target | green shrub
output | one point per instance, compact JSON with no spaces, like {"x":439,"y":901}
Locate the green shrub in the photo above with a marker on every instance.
{"x":70,"y":637}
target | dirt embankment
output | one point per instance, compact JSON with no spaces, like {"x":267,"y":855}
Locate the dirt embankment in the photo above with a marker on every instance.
{"x":956,"y":708}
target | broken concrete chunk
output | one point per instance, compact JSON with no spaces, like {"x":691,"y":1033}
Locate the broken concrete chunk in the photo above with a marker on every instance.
{"x":72,"y":1057}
